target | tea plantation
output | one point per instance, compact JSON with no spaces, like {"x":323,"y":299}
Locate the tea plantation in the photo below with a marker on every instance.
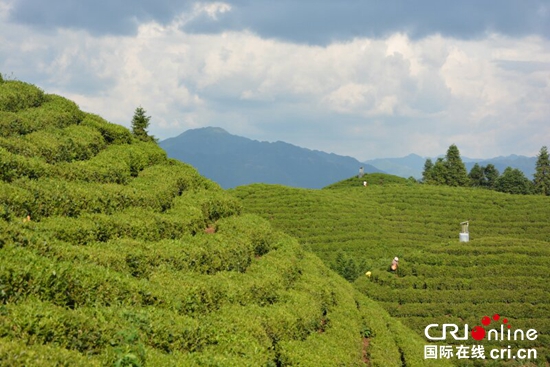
{"x":503,"y":269}
{"x":113,"y":255}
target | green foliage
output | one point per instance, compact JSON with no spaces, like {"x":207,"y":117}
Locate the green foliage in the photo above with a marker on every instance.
{"x":427,"y":172}
{"x":542,"y":175}
{"x":456,"y":174}
{"x":347,"y":267}
{"x":449,"y":171}
{"x":14,"y":353}
{"x":13,"y":166}
{"x":140,"y":124}
{"x":440,"y":280}
{"x":16,"y":96}
{"x":513,"y":181}
{"x":375,"y":179}
{"x":438,"y":173}
{"x":115,"y":164}
{"x":55,"y":145}
{"x":485,"y":177}
{"x":113,"y":255}
{"x":476,"y":176}
{"x":112,"y":133}
{"x":491,"y":175}
{"x":53,"y":112}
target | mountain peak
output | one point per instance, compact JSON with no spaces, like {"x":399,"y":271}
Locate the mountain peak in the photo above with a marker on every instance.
{"x":206,"y":130}
{"x":233,"y":160}
{"x":214,"y":129}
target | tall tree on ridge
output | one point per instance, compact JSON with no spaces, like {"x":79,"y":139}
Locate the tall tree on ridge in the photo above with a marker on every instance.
{"x":456,"y":174}
{"x":542,"y":174}
{"x":476,"y":176}
{"x":427,"y":173}
{"x":140,"y":124}
{"x":491,"y":175}
{"x":439,"y":172}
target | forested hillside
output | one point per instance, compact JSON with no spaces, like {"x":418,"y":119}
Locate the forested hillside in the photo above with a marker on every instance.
{"x":113,"y":255}
{"x":355,"y":229}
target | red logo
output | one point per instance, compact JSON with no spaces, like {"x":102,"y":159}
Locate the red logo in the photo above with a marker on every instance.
{"x":478,"y":332}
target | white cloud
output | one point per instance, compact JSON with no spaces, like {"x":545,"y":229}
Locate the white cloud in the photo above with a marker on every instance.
{"x":352,"y":98}
{"x":5,"y":7}
{"x":365,"y":97}
{"x":212,"y":9}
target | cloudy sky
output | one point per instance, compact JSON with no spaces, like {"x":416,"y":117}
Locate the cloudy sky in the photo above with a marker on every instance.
{"x":369,"y":79}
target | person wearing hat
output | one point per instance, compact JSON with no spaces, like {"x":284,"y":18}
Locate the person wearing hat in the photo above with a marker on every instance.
{"x":394,"y":264}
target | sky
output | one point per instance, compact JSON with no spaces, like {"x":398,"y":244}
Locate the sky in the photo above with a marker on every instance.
{"x":367,"y":79}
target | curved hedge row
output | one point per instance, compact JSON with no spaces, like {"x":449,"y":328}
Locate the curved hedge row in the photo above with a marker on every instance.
{"x":49,"y":111}
{"x":16,"y":96}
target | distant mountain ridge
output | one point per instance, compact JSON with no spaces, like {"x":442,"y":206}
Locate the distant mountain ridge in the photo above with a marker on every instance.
{"x":413,"y":164}
{"x":233,"y":160}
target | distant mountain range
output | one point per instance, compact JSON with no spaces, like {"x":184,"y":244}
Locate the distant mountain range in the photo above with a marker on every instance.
{"x":413,"y":165}
{"x":232,"y":160}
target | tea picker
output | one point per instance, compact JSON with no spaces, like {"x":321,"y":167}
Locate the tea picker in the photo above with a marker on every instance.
{"x":394,"y":264}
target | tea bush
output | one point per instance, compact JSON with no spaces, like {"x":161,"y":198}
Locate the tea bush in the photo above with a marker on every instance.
{"x":112,"y":133}
{"x":16,"y":96}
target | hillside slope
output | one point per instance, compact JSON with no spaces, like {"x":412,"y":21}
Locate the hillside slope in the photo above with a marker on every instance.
{"x":111,"y":254}
{"x":232,"y":160}
{"x":369,"y":179}
{"x":503,"y":269}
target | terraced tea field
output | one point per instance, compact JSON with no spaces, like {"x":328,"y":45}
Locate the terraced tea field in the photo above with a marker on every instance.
{"x":503,"y":269}
{"x":113,"y":255}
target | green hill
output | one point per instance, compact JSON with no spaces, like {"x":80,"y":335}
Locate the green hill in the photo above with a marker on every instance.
{"x":503,"y":269}
{"x":376,"y":179}
{"x":112,"y":254}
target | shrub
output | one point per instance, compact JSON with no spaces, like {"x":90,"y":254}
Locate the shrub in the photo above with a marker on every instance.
{"x":14,"y":166}
{"x":16,"y":96}
{"x":12,"y":123}
{"x":65,"y":145}
{"x":112,"y":133}
{"x":17,"y":353}
{"x":15,"y":202}
{"x":56,"y":111}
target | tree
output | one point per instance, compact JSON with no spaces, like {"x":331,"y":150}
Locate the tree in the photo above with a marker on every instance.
{"x":513,"y":181}
{"x":483,"y":176}
{"x":450,"y":171}
{"x":439,"y":172}
{"x":140,"y":123}
{"x":491,"y":174}
{"x":542,"y":174}
{"x":456,"y":174}
{"x":347,"y":267}
{"x":476,"y":176}
{"x":427,"y":173}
